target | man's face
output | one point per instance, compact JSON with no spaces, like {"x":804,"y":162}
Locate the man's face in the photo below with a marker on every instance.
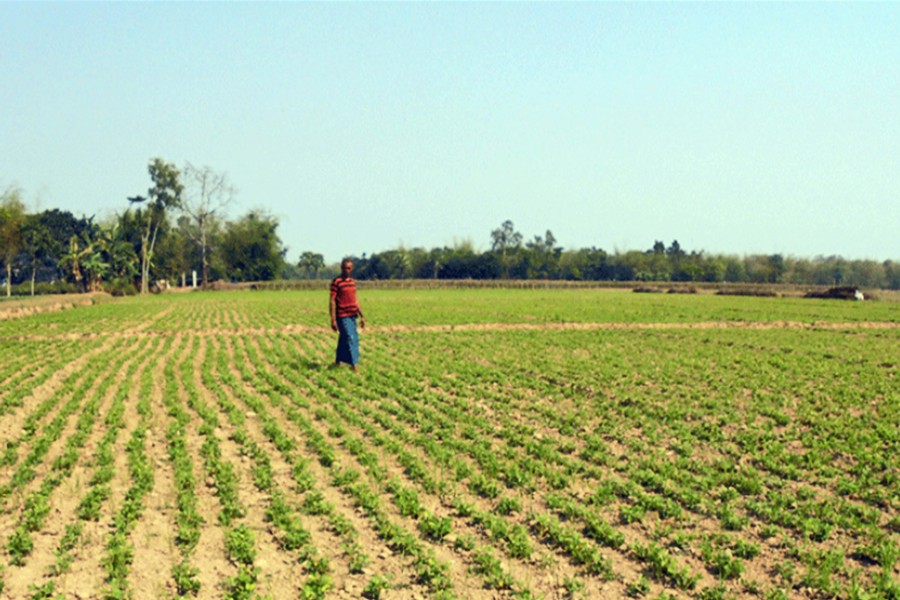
{"x":346,"y":268}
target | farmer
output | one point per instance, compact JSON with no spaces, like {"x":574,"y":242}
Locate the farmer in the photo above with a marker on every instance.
{"x":344,"y":308}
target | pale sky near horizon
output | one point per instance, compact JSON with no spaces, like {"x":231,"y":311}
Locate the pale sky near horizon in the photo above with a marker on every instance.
{"x":735,"y":128}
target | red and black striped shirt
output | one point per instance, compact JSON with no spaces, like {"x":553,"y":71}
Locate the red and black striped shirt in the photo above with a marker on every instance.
{"x":343,"y":293}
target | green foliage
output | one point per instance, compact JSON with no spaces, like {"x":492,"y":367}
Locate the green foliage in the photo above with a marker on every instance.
{"x":250,"y":248}
{"x":39,"y":592}
{"x":507,"y":506}
{"x":19,"y":546}
{"x":186,"y":579}
{"x":120,"y":287}
{"x":639,"y":588}
{"x":573,"y":586}
{"x":485,"y":563}
{"x":243,"y":585}
{"x":376,"y":585}
{"x":663,"y":567}
{"x":435,"y":528}
{"x":239,"y":544}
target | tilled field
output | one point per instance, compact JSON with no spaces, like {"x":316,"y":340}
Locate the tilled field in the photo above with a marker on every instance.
{"x":200,"y":445}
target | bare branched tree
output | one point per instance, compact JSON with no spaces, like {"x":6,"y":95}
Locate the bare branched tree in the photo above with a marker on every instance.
{"x":207,"y":194}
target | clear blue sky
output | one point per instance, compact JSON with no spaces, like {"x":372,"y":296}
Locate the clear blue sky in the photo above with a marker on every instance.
{"x":735,"y":128}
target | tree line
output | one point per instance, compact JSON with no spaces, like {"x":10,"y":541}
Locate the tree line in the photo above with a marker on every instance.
{"x":178,"y":228}
{"x":160,"y":238}
{"x":511,"y":256}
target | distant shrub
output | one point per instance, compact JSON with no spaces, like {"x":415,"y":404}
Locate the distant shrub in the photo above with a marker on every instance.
{"x":647,"y":290}
{"x":120,"y":287}
{"x":837,"y":293}
{"x":44,"y":288}
{"x":759,"y":292}
{"x":682,"y":290}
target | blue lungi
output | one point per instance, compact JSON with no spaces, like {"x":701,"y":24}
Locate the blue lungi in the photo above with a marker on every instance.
{"x":348,"y":341}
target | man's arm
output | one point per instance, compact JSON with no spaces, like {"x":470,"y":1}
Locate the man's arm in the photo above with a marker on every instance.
{"x":332,"y":310}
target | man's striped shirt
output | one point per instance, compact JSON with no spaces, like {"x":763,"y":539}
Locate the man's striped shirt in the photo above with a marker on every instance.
{"x":343,"y":291}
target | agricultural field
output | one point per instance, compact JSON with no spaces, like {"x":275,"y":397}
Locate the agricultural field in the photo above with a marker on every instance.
{"x":494,"y":444}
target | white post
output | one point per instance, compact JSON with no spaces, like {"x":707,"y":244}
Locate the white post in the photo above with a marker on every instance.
{"x":194,"y":278}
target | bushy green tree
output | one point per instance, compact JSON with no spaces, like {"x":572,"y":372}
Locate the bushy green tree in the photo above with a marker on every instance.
{"x":542,"y":257}
{"x":505,"y":241}
{"x":251,"y":249}
{"x":37,"y":243}
{"x":311,"y":263}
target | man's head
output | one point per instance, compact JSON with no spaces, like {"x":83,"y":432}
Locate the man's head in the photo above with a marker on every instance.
{"x":346,"y":267}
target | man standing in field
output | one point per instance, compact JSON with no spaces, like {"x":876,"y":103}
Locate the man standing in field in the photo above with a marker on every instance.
{"x":344,"y":308}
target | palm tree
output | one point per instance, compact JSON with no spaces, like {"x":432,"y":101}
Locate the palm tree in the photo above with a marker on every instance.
{"x":74,"y":258}
{"x":311,"y":262}
{"x":95,"y":268}
{"x":119,"y":252}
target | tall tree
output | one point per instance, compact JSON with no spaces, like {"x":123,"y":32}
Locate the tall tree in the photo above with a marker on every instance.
{"x":80,"y":249}
{"x":504,"y":240}
{"x":118,"y":252}
{"x":543,"y":257}
{"x":37,"y":243}
{"x":251,"y":249}
{"x":164,"y":195}
{"x":311,"y":263}
{"x":207,"y":194}
{"x":12,"y":219}
{"x":398,"y":262}
{"x":61,"y":226}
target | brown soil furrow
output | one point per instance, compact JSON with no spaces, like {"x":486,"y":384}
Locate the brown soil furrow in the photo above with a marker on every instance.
{"x":624,"y":564}
{"x":23,"y":370}
{"x":639,"y":326}
{"x":529,"y":572}
{"x":209,"y":554}
{"x":13,"y":503}
{"x":87,"y":573}
{"x":24,"y":308}
{"x":325,"y":540}
{"x":625,"y":567}
{"x":11,"y":424}
{"x":63,"y":512}
{"x":153,"y":536}
{"x":458,"y":570}
{"x":382,"y":560}
{"x":280,"y":573}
